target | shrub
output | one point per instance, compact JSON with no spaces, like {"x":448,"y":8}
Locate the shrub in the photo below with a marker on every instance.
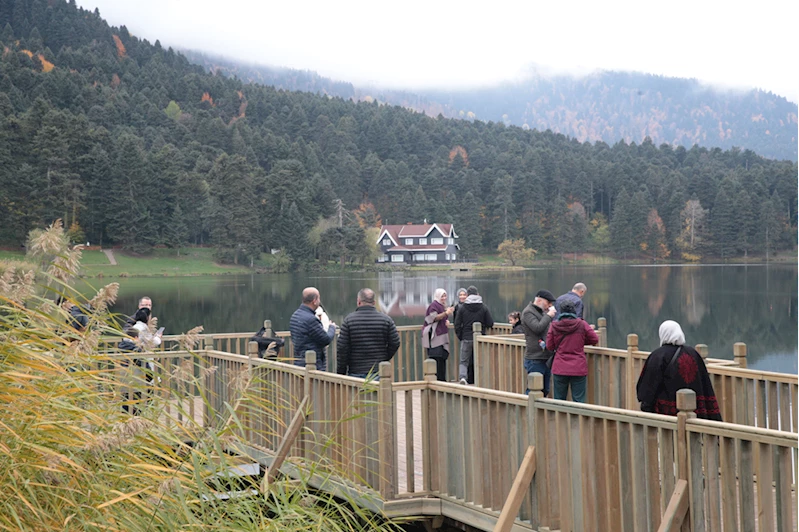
{"x":73,"y":456}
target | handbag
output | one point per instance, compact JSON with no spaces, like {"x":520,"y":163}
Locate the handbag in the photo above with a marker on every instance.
{"x":551,"y":359}
{"x":435,"y":352}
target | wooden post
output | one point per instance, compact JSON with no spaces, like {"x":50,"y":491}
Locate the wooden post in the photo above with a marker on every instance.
{"x":430,"y":369}
{"x":268,"y":328}
{"x":477,"y":329}
{"x":252,"y":352}
{"x":208,"y":391}
{"x":310,"y":365}
{"x":308,"y":447}
{"x":285,"y":446}
{"x":387,"y":442}
{"x":538,"y":490}
{"x":674,"y":516}
{"x":602,"y":331}
{"x":514,"y":501}
{"x":632,"y":345}
{"x":739,"y":353}
{"x":686,"y":406}
{"x":703,"y":351}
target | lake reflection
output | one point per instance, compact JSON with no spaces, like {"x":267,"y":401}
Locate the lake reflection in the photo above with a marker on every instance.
{"x":716,"y":305}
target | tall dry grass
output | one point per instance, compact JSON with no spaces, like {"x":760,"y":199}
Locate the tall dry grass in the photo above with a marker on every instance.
{"x":72,"y":458}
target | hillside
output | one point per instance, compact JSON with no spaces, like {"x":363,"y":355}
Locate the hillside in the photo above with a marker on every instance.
{"x":603,"y":106}
{"x":132,"y":145}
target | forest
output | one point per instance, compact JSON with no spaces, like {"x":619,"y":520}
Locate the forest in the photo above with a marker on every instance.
{"x":603,"y":105}
{"x":133,"y":146}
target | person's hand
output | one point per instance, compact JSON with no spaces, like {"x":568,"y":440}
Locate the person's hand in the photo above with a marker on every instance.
{"x":333,"y":323}
{"x":272,"y":346}
{"x":450,"y":310}
{"x":551,"y":312}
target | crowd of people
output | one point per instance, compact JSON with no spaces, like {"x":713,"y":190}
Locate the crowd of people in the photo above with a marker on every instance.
{"x":554,"y":330}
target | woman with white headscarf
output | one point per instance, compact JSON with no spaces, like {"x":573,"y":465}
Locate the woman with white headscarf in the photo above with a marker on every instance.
{"x":435,"y":332}
{"x":672,"y":367}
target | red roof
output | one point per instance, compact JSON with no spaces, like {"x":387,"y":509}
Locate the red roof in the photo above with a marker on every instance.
{"x":397,"y":232}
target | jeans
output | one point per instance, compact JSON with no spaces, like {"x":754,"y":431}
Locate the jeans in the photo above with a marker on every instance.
{"x":561,"y":383}
{"x":466,"y":365}
{"x":538,"y":366}
{"x":321,"y":362}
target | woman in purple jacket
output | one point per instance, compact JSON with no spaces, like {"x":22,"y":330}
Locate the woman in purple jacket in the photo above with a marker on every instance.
{"x":435,"y":332}
{"x":568,"y":337}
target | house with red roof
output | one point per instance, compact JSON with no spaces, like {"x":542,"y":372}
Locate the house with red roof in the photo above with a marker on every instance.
{"x":418,"y":243}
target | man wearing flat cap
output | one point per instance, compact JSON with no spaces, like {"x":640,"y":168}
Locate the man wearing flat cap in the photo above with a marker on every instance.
{"x":536,"y":318}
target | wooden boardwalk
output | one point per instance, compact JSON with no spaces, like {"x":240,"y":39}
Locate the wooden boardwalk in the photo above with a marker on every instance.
{"x":413,"y":446}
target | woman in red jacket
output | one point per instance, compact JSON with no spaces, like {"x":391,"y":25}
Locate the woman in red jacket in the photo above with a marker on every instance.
{"x":568,"y":337}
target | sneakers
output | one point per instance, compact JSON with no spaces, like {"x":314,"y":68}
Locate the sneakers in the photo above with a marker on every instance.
{"x":463,"y":381}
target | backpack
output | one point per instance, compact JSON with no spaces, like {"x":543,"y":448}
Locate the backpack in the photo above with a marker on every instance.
{"x":264,"y":341}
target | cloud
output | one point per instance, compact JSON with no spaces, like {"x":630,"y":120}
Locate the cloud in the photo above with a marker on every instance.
{"x":449,"y":44}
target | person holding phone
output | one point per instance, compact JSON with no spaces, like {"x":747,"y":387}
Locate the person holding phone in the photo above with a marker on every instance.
{"x":435,"y":332}
{"x":149,"y":339}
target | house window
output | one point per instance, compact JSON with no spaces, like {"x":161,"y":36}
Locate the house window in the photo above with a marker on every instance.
{"x":450,"y":241}
{"x":453,"y":256}
{"x":422,"y":241}
{"x":397,"y":258}
{"x":386,"y":241}
{"x":436,"y":241}
{"x":383,"y":258}
{"x":408,"y":241}
{"x":447,"y":256}
{"x":418,"y":257}
{"x":431,"y":257}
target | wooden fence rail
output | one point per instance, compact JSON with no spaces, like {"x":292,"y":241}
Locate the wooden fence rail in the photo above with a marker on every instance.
{"x":749,"y":397}
{"x":392,"y":443}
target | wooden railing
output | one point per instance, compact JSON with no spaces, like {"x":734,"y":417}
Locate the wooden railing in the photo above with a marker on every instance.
{"x":432,"y":448}
{"x":612,"y":469}
{"x":755,"y":398}
{"x":748,"y":397}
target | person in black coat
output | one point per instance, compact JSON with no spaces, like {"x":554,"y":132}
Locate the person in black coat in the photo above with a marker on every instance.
{"x":307,"y":331}
{"x":366,"y":339}
{"x":672,"y":367}
{"x":472,"y":311}
{"x":136,"y":372}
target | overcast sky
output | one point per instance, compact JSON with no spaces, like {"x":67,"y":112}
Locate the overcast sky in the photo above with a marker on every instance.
{"x":414,"y":44}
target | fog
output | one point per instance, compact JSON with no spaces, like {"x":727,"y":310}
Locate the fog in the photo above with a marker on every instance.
{"x":447,"y":45}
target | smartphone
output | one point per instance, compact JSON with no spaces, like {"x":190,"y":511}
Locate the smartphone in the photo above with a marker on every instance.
{"x":160,"y":331}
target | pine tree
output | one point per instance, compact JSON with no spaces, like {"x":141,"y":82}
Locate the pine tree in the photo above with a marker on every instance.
{"x":723,"y":223}
{"x":176,"y":233}
{"x":234,"y":213}
{"x":620,"y":229}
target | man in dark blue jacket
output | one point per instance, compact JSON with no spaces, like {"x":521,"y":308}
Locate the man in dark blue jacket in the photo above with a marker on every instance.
{"x":307,"y":332}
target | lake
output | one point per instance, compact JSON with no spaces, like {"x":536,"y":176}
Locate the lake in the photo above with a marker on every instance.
{"x":717,"y":305}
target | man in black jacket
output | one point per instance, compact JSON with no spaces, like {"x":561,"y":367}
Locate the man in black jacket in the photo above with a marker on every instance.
{"x":472,"y":311}
{"x":367,"y":338}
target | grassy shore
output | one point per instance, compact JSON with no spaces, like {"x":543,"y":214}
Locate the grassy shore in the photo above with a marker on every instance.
{"x":200,"y":261}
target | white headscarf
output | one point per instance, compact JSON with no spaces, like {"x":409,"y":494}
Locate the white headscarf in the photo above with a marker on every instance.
{"x":671,"y":333}
{"x":437,"y":294}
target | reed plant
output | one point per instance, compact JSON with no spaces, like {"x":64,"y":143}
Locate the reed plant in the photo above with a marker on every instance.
{"x":74,"y":457}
